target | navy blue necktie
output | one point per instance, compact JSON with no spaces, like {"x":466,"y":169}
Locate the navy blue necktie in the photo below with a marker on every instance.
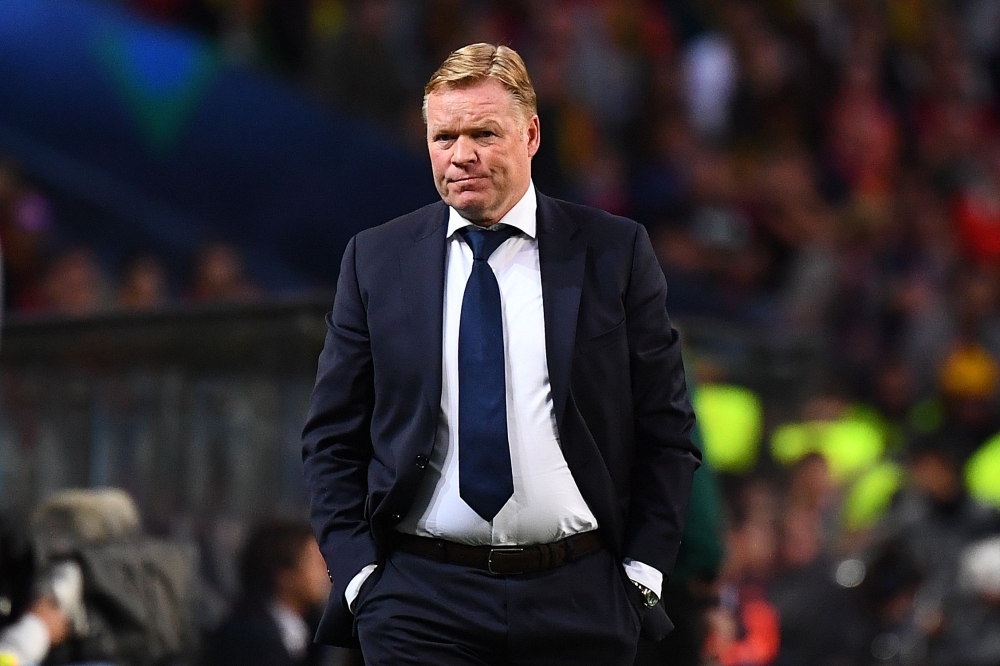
{"x":485,"y":480}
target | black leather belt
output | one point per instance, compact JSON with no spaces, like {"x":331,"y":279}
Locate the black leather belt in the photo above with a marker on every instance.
{"x":500,"y":560}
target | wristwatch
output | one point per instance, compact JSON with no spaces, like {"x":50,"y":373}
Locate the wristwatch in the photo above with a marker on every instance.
{"x":648,"y":596}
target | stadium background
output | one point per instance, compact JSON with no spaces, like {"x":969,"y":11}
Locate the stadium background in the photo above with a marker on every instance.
{"x":821,"y":180}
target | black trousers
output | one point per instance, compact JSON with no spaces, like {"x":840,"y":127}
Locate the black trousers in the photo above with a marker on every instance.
{"x":422,"y":612}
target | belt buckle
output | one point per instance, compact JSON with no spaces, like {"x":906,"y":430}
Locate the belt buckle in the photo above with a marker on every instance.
{"x":502,"y":549}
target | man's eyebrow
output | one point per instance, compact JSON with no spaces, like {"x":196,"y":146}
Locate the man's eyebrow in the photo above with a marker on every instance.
{"x":442,"y":129}
{"x":490,"y":125}
{"x":450,"y":129}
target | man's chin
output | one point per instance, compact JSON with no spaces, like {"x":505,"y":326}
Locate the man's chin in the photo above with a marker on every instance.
{"x":473,"y":210}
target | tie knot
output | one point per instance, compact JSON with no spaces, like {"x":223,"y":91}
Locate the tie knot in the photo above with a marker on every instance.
{"x":484,"y":242}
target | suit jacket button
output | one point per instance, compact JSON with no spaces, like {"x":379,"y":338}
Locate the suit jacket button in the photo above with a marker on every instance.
{"x":396,"y":517}
{"x":422,"y":462}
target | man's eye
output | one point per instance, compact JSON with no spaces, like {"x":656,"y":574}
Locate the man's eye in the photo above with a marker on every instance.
{"x":486,"y":134}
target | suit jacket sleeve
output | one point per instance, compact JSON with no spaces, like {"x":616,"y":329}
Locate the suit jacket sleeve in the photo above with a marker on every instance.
{"x":666,"y":458}
{"x":336,"y":440}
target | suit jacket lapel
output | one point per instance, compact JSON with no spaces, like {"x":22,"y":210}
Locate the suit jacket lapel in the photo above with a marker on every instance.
{"x":421,"y":263}
{"x":562,"y":257}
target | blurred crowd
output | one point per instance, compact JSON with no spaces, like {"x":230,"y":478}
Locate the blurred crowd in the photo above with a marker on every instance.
{"x":823,"y":166}
{"x":800,"y":586}
{"x":807,"y":168}
{"x":826,"y":167}
{"x":47,"y":272}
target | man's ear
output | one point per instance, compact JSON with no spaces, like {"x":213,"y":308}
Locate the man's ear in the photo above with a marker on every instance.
{"x":534,"y":135}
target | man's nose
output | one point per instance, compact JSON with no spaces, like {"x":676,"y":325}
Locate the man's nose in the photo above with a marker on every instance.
{"x":465,"y":151}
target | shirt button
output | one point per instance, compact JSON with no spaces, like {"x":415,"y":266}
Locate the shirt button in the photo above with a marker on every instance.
{"x":421,"y":462}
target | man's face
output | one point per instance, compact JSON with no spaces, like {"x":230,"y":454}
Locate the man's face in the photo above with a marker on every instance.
{"x":481,"y":148}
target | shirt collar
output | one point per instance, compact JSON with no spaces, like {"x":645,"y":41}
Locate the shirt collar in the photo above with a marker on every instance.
{"x":521,"y":216}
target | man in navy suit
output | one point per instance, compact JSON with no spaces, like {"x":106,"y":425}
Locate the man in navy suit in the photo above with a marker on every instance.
{"x":498,"y":447}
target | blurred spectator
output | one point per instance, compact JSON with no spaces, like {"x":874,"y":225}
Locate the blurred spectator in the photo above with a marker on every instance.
{"x":886,"y":587}
{"x":894,"y":397}
{"x":75,"y":284}
{"x":105,"y":591}
{"x":604,"y":67}
{"x":285,"y":583}
{"x":745,"y":630}
{"x":144,"y":284}
{"x":601,"y":182}
{"x":549,"y":166}
{"x":811,"y":501}
{"x":766,"y":102}
{"x":929,"y":525}
{"x":864,"y":138}
{"x":25,"y":232}
{"x":968,"y":379}
{"x":976,"y":210}
{"x":661,"y":181}
{"x":710,"y":84}
{"x":220,"y":276}
{"x":818,"y":622}
{"x":17,"y":568}
{"x":798,"y":235}
{"x":356,"y":70}
{"x":54,"y":616}
{"x":971,"y":628}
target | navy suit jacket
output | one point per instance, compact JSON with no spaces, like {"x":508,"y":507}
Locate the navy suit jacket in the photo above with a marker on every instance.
{"x":614,"y":360}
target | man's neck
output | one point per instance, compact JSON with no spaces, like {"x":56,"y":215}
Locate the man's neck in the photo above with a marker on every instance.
{"x":520,"y":215}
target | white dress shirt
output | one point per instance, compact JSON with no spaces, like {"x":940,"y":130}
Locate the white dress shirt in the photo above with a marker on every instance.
{"x":546,"y":505}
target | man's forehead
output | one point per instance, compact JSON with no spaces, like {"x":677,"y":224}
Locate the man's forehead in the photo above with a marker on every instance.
{"x":479,"y":100}
{"x":468,"y":118}
{"x":481,"y":86}
{"x":486,"y":94}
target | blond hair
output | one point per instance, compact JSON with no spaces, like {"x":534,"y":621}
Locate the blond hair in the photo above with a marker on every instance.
{"x":471,"y":64}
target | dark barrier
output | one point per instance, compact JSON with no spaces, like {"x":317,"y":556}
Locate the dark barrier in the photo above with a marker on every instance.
{"x":196,"y":413}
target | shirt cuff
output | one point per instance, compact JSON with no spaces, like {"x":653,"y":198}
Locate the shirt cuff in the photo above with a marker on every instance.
{"x":351,"y":593}
{"x":645,"y":575}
